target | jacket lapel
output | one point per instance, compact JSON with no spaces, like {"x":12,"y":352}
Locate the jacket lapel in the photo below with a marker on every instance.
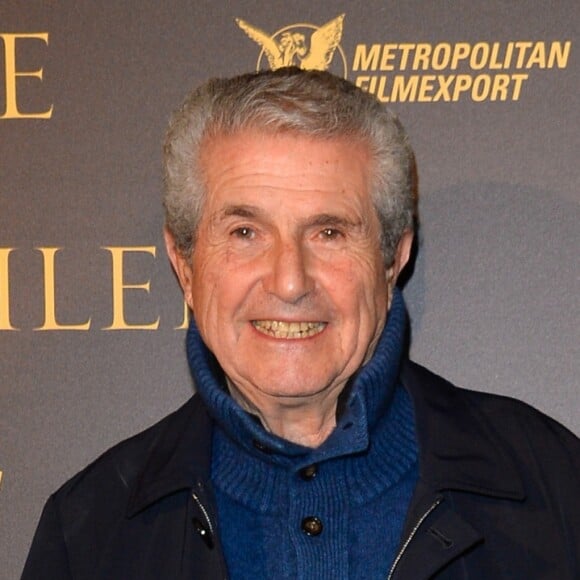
{"x":178,"y":469}
{"x":179,"y":457}
{"x":457,"y":448}
{"x":457,"y":452}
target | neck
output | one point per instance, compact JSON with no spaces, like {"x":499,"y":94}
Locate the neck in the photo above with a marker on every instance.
{"x":307,"y":422}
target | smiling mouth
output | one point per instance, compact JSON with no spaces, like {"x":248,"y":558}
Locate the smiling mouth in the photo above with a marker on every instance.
{"x":289,"y":330}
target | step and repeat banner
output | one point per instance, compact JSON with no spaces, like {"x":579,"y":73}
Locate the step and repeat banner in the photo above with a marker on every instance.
{"x":91,"y":318}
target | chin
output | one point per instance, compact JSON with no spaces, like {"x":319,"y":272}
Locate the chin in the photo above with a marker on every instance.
{"x":294,"y":390}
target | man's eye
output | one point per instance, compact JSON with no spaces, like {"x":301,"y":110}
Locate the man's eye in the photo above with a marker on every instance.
{"x":330,"y":234}
{"x":243,"y":233}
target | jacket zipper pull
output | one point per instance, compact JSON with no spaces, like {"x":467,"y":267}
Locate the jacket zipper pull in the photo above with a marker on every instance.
{"x":204,"y":530}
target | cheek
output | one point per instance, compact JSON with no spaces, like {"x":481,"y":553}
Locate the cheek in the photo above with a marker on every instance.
{"x":359,"y":287}
{"x":219,"y":293}
{"x":205,"y":294}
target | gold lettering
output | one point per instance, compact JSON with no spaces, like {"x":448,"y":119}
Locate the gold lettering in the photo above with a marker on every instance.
{"x":460,"y":52}
{"x":186,"y":314}
{"x":538,"y":56}
{"x":422,"y":53}
{"x":388,"y":57}
{"x":481,"y":87}
{"x":380,"y":93}
{"x":518,"y":80}
{"x":50,"y":322}
{"x":426,"y":88}
{"x":559,"y":53}
{"x":508,"y":55}
{"x":12,"y":75}
{"x":494,"y":64}
{"x":365,"y":59}
{"x":462,"y":84}
{"x":500,"y":87}
{"x":479,"y":56}
{"x":119,"y":287}
{"x":402,"y":91}
{"x":363,"y":83}
{"x":522,"y":47}
{"x":405,"y":51}
{"x":441,"y":56}
{"x":444,"y":84}
{"x":5,"y":323}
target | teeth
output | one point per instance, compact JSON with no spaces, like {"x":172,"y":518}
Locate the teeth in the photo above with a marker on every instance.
{"x":291,"y":330}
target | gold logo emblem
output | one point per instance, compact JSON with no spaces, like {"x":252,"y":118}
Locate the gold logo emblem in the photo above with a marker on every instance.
{"x":305,"y":45}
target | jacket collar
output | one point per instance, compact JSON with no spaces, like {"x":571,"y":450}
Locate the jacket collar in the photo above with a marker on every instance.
{"x":179,"y":456}
{"x":458,"y":450}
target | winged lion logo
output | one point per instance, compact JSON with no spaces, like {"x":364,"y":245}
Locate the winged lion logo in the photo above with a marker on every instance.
{"x":291,"y":46}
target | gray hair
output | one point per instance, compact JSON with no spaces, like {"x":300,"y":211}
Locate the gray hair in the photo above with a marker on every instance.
{"x":312,"y":103}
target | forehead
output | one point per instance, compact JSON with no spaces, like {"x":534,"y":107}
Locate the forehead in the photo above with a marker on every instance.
{"x":288,"y":167}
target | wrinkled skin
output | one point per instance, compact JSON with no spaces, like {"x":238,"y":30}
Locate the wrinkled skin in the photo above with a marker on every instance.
{"x":288,"y":235}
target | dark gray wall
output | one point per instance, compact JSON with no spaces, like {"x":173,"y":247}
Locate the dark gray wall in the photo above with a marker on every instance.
{"x":493,"y":296}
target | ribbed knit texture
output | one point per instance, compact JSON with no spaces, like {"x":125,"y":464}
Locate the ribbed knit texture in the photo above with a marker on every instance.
{"x":366,"y":473}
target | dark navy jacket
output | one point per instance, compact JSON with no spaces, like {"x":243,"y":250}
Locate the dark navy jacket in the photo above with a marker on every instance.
{"x":498,"y":498}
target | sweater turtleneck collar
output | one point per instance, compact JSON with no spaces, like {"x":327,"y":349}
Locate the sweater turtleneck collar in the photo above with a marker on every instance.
{"x":367,"y":397}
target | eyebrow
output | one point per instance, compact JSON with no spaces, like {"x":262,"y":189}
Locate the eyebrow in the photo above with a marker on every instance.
{"x":328,"y":219}
{"x":317,"y":220}
{"x":237,"y":210}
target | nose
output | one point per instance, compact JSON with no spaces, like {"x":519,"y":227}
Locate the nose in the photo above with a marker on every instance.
{"x":288,"y":276}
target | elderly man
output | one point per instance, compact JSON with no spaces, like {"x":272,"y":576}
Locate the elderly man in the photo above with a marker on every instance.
{"x":313,"y":448}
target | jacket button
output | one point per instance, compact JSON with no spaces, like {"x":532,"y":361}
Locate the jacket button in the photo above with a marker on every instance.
{"x":309,"y":472}
{"x":312,"y":526}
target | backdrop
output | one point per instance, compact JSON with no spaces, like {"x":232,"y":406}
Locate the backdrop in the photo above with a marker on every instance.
{"x":91,"y":318}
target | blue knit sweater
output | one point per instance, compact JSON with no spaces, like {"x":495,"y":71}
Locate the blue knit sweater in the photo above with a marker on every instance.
{"x":351,"y":493}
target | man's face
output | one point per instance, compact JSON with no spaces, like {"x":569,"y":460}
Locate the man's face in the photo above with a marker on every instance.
{"x":286,"y":281}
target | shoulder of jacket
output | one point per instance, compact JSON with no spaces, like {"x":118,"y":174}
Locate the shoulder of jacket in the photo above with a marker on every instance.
{"x":118,"y":466}
{"x":510,"y":418}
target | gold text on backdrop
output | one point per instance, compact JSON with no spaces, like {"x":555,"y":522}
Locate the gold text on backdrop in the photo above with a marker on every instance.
{"x":420,"y":70}
{"x":121,"y":291}
{"x":12,"y":74}
{"x":414,"y":72}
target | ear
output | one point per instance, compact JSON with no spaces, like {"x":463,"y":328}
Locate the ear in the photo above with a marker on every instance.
{"x":181,"y":265}
{"x":402,"y":255}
